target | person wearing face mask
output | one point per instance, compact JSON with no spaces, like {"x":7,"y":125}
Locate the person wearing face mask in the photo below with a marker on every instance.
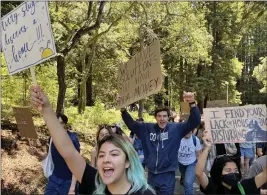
{"x":225,"y":176}
{"x":161,"y":142}
{"x":118,"y":168}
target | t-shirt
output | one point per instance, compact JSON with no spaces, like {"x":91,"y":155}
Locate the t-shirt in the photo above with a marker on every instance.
{"x":61,"y":169}
{"x":187,"y":150}
{"x":257,"y":167}
{"x":87,"y":186}
{"x":249,"y":186}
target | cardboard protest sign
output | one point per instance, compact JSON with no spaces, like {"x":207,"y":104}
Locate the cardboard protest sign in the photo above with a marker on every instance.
{"x":185,"y":108}
{"x":237,"y":124}
{"x":24,"y":121}
{"x":141,"y":76}
{"x":27,"y":37}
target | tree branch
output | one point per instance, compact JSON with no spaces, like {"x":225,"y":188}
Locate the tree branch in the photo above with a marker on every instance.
{"x":84,"y":30}
{"x":111,"y":25}
{"x":64,"y":25}
{"x":90,"y":6}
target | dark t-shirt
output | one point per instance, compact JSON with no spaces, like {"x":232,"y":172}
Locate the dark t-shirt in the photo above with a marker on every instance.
{"x":263,"y":146}
{"x":249,"y":186}
{"x":61,"y":169}
{"x":87,"y":186}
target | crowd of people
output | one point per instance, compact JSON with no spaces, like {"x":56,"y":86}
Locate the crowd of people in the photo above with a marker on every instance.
{"x":118,"y":162}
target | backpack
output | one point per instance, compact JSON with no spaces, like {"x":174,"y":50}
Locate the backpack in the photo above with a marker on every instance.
{"x":47,"y":163}
{"x":194,"y":140}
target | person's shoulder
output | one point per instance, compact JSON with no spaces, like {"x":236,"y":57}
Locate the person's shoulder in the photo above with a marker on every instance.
{"x":143,"y":192}
{"x":249,"y":186}
{"x":210,"y":188}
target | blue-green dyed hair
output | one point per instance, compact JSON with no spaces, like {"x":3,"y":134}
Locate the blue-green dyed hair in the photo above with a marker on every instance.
{"x":135,"y":172}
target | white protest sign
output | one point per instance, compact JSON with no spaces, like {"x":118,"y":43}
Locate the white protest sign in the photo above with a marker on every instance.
{"x":141,"y":76}
{"x":27,"y":37}
{"x":237,"y":124}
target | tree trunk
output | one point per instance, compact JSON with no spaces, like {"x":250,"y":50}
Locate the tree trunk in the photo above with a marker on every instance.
{"x":61,"y":84}
{"x":200,"y":95}
{"x":25,"y":91}
{"x":82,"y":94}
{"x":89,"y":88}
{"x":141,"y":108}
{"x":166,"y":86}
{"x":181,"y":72}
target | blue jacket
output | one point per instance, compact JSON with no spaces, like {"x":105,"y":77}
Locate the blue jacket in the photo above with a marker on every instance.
{"x":160,"y":148}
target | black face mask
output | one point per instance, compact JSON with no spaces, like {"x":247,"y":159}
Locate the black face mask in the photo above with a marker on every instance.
{"x":231,"y":179}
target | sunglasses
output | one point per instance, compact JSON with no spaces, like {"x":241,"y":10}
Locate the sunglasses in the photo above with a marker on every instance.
{"x":113,"y":126}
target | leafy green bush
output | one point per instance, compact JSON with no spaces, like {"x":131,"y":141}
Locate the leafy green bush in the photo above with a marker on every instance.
{"x":96,"y":115}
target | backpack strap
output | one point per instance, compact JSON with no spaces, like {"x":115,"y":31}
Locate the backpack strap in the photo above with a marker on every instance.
{"x":194,"y":140}
{"x":241,"y":189}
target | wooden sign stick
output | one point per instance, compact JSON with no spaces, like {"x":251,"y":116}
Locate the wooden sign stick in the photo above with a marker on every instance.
{"x":33,"y":76}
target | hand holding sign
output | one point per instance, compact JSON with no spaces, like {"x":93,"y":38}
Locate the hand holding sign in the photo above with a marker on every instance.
{"x":38,"y":98}
{"x":189,"y":97}
{"x":118,"y":100}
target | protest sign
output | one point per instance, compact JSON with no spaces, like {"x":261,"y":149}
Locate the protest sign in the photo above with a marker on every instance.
{"x":141,"y":76}
{"x":24,"y":121}
{"x":27,"y":37}
{"x":185,"y":108}
{"x":237,"y":124}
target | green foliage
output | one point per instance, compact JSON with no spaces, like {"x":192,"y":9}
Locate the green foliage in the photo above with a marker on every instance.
{"x":203,"y":45}
{"x":96,"y":115}
{"x":260,"y":72}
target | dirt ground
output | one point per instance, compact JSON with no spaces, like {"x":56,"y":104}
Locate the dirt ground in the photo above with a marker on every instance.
{"x":22,"y":160}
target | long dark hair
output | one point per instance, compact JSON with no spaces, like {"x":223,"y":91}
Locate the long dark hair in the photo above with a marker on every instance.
{"x":218,"y":165}
{"x":119,"y":131}
{"x":100,"y":127}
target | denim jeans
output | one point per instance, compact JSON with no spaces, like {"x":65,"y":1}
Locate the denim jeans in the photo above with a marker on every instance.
{"x":57,"y":186}
{"x":163,"y":183}
{"x":188,"y":173}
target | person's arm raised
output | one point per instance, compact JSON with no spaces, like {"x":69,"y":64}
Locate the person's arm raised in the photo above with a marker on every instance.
{"x":132,"y":125}
{"x":195,"y":116}
{"x":61,"y":139}
{"x":201,"y":163}
{"x":261,"y":178}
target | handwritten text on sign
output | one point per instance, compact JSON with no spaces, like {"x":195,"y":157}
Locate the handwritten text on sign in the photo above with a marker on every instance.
{"x":237,"y":124}
{"x":27,"y":38}
{"x":24,"y":121}
{"x":141,"y":76}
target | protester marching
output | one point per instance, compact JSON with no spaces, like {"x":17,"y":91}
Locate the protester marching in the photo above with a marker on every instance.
{"x":156,"y":120}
